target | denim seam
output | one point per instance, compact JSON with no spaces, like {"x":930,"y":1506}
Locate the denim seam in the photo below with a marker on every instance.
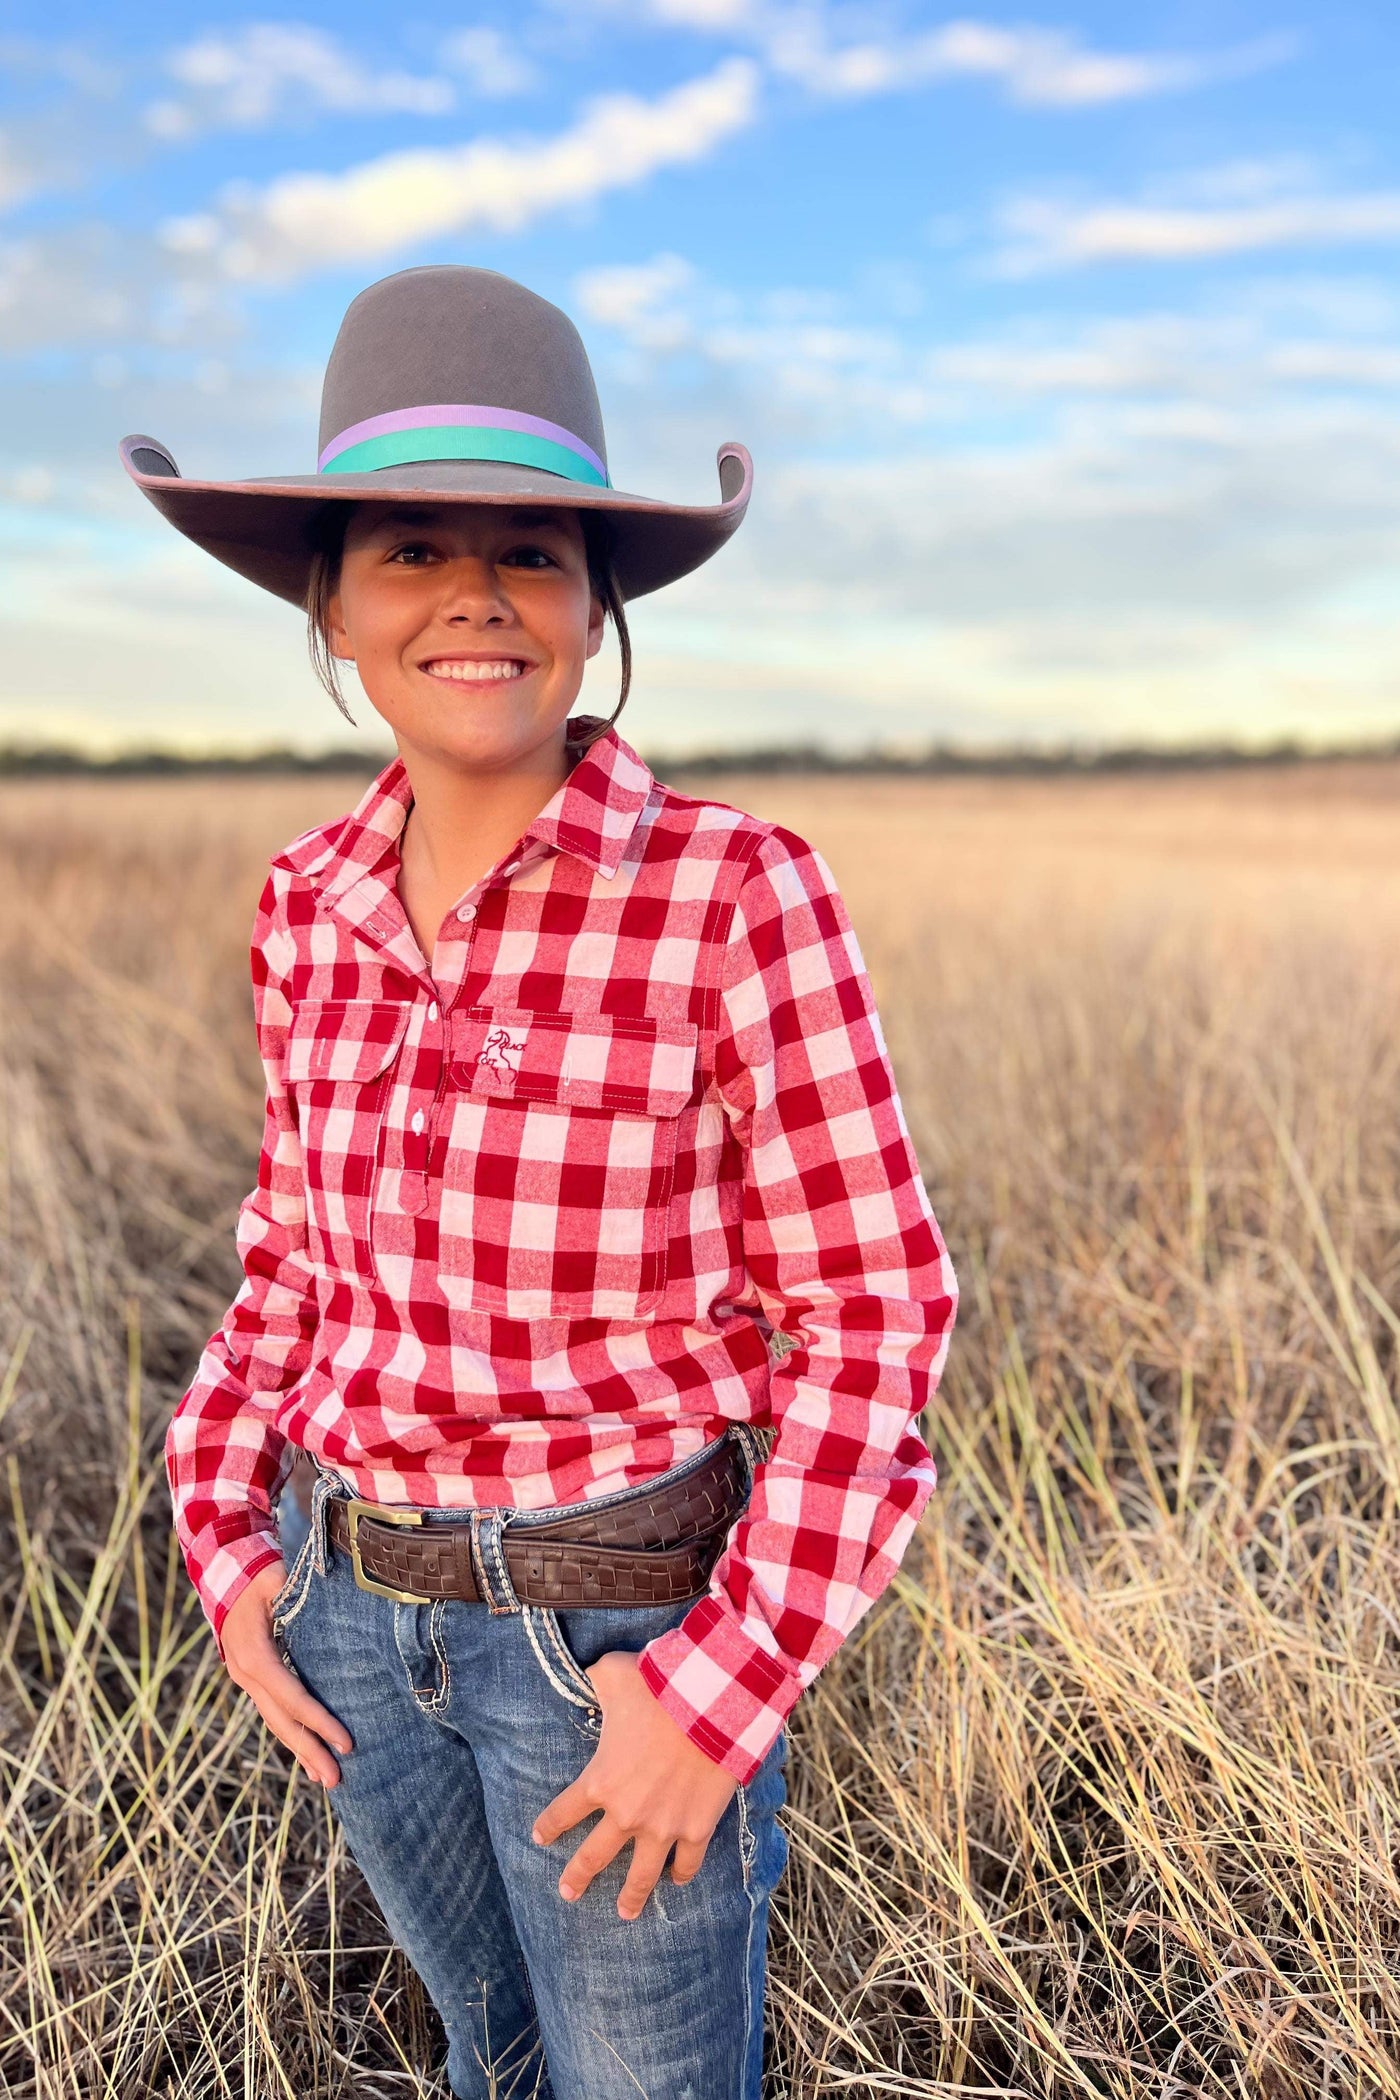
{"x":293,"y":1595}
{"x":746,"y":1856}
{"x":539,"y":1617}
{"x":419,"y":1697}
{"x":439,"y":1702}
{"x":748,"y":1842}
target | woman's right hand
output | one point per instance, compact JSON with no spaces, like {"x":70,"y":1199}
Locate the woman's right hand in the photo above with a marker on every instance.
{"x":252,"y":1660}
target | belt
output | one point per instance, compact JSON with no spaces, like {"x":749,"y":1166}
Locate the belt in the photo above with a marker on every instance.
{"x":656,"y":1548}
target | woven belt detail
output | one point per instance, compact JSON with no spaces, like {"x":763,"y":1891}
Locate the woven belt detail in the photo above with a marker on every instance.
{"x":657,"y":1550}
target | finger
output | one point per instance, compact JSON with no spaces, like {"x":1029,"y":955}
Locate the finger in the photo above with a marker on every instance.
{"x":648,"y":1865}
{"x":287,"y":1691}
{"x":302,"y":1740}
{"x":310,"y":1714}
{"x":599,"y":1847}
{"x":565,"y":1810}
{"x":688,"y":1860}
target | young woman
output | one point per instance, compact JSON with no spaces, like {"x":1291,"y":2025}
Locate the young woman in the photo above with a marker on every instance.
{"x":589,"y":1258}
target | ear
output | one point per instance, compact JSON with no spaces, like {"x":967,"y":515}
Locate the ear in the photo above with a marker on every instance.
{"x":336,"y":637}
{"x":597,"y":621}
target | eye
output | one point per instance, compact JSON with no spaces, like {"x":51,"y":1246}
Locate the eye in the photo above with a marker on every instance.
{"x":530,"y":556}
{"x":411,"y":549}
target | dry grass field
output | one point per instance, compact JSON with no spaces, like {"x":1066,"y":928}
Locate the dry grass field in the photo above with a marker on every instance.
{"x":1104,"y":1798}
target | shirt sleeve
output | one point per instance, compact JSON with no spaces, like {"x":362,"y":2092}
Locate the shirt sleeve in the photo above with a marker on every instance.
{"x":846,"y":1258}
{"x":225,"y":1458}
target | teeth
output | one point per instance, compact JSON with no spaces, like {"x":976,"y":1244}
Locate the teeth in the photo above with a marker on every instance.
{"x":471,"y":674}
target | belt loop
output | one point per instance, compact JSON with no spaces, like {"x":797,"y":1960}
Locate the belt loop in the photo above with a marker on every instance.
{"x":492,"y":1574}
{"x":322,"y":1488}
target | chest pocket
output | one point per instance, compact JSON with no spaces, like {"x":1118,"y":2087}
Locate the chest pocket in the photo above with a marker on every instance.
{"x":560,"y":1161}
{"x":340,"y":1058}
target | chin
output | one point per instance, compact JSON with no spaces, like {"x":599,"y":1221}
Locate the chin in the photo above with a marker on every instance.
{"x":486,"y":743}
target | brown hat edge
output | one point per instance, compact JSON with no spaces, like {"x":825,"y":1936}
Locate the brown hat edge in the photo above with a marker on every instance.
{"x":262,"y":528}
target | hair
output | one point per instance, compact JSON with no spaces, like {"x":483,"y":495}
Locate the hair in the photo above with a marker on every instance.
{"x":329,"y":548}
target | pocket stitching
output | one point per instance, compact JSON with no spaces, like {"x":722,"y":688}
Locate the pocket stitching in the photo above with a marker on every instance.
{"x":541,"y":1618}
{"x":292,"y":1595}
{"x":496,"y":1298}
{"x":309,"y":1036}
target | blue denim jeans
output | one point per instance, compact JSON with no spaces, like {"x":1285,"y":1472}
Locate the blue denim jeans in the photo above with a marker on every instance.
{"x":466,"y":1719}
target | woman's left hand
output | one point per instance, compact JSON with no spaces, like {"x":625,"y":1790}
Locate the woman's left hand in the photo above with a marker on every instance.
{"x":655,"y":1790}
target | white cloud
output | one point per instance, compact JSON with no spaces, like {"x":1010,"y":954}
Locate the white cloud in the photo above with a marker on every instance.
{"x":300,"y":223}
{"x":639,"y":300}
{"x":1232,"y":211}
{"x":790,"y":334}
{"x":252,"y":77}
{"x":492,"y":64}
{"x":1039,"y":68}
{"x":1035,"y":67}
{"x":18,"y":178}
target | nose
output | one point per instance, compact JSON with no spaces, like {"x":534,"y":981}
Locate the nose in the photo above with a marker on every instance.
{"x":474,"y":593}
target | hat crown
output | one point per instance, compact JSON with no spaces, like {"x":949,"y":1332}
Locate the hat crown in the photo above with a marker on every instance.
{"x":448,"y":335}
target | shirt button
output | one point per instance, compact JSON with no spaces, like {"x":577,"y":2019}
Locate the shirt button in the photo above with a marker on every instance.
{"x":466,"y":911}
{"x":417,"y":1121}
{"x":432,"y":1011}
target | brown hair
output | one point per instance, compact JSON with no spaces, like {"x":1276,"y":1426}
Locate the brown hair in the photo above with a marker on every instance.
{"x":325,"y":575}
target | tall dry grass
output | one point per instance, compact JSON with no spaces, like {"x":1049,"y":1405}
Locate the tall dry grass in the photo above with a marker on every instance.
{"x":1103,"y":1798}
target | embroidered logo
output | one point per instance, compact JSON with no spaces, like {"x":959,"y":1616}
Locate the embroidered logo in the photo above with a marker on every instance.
{"x":502,"y":1053}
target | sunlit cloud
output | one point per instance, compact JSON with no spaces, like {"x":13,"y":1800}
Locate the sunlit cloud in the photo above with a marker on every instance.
{"x":248,"y":78}
{"x":1184,"y":223}
{"x":1035,"y":67}
{"x":306,"y":222}
{"x":490,"y":62}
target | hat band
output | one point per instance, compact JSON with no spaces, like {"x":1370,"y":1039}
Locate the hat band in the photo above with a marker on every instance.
{"x":408,"y":435}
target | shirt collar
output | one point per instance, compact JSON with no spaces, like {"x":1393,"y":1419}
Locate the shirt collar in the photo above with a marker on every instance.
{"x":592,"y":815}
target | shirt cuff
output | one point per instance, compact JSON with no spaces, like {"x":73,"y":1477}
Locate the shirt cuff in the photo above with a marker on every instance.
{"x":228,"y":1572}
{"x":729,"y":1695}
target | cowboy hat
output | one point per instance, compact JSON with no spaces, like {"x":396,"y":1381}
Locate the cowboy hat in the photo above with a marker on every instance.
{"x":453,"y":385}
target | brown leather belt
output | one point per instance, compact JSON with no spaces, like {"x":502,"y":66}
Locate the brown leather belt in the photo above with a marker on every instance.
{"x":656,"y":1549}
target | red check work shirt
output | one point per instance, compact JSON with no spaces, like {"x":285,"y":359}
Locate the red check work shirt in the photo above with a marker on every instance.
{"x":539,"y":1215}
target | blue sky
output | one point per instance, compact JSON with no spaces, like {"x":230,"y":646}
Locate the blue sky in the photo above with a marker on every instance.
{"x":1067,"y":344}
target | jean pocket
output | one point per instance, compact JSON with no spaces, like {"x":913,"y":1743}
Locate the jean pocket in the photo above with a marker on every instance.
{"x":568,"y":1643}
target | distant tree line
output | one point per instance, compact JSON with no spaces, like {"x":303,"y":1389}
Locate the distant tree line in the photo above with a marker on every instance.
{"x":57,"y":760}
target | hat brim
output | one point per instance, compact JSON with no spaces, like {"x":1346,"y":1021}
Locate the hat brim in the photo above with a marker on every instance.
{"x":267,"y":529}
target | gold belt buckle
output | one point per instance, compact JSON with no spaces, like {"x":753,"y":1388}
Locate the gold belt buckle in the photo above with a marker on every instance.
{"x":382,"y":1514}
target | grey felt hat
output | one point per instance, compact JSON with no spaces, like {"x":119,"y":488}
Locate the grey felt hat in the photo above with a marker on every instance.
{"x":447,"y":384}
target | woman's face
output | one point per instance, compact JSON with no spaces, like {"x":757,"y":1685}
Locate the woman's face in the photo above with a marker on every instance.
{"x":469,"y":624}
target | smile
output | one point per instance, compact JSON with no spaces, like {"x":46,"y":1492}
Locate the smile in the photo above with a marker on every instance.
{"x":463,"y":671}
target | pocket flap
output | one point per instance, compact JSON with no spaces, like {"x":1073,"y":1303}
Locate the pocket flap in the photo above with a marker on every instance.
{"x":642,"y":1066}
{"x":344,"y":1039}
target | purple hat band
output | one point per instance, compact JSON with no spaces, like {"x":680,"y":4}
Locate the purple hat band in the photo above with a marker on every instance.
{"x":447,"y":429}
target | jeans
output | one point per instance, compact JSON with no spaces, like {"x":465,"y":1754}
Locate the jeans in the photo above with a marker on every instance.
{"x":466,"y":1720}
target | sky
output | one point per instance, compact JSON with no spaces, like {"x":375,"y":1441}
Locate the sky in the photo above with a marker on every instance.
{"x":1066,"y":342}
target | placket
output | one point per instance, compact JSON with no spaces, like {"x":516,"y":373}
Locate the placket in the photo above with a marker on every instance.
{"x":434,"y":1053}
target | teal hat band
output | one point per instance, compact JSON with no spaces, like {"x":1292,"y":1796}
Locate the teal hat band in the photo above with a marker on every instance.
{"x":406,"y":436}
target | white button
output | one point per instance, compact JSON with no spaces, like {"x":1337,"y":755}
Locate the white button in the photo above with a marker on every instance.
{"x":466,"y":911}
{"x":432,"y":1011}
{"x":417,"y":1121}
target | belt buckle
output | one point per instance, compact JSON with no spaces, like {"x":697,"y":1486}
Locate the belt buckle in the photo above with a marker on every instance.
{"x":355,"y":1508}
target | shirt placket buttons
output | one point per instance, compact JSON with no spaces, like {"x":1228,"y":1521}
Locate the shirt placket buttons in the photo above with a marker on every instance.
{"x":413,"y":1191}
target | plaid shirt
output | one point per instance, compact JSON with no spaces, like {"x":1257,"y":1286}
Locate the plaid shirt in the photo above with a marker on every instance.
{"x":537,"y":1217}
